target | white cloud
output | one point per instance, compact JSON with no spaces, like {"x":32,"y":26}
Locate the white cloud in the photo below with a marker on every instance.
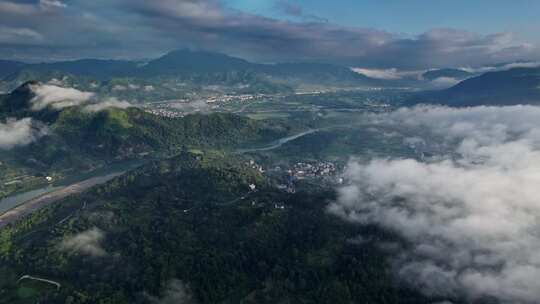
{"x":396,"y":74}
{"x":48,"y":4}
{"x":388,"y":74}
{"x":119,"y":87}
{"x":532,"y":64}
{"x":107,"y":103}
{"x":471,"y":216}
{"x":87,"y":242}
{"x":19,"y":35}
{"x":57,"y":97}
{"x":56,"y":82}
{"x":148,"y":28}
{"x":176,"y":292}
{"x":51,"y":95}
{"x":19,"y":132}
{"x":505,"y":67}
{"x":444,"y":82}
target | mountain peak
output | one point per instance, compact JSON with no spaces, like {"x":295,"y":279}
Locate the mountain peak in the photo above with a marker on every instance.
{"x":19,"y":99}
{"x":186,"y":60}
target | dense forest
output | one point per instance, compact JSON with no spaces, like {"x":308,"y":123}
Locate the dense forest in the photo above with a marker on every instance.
{"x":190,"y":229}
{"x":76,"y":139}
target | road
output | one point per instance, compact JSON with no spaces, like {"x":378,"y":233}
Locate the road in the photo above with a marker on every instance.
{"x":37,"y":203}
{"x":32,"y":205}
{"x":29,"y":277}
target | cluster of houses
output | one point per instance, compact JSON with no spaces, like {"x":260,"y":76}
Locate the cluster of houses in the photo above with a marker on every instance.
{"x":229,"y":98}
{"x":253,"y":165}
{"x":182,"y":107}
{"x":163,"y":112}
{"x":303,"y":170}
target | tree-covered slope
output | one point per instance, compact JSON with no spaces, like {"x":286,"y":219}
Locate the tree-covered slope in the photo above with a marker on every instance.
{"x":192,"y":68}
{"x":75,"y":138}
{"x":80,"y":139}
{"x":191,"y":228}
{"x":511,"y":87}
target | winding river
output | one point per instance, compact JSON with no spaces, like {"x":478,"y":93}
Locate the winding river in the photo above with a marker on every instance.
{"x":278,"y":143}
{"x":15,"y":206}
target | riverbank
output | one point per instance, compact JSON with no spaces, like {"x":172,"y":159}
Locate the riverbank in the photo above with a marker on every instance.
{"x":32,"y":205}
{"x":278,"y":143}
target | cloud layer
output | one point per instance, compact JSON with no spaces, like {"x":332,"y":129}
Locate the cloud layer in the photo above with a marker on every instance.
{"x":143,"y":29}
{"x":87,"y":242}
{"x":107,"y":103}
{"x":388,"y":74}
{"x":176,"y":292}
{"x":57,"y":97}
{"x":470,"y":216}
{"x":19,"y":133}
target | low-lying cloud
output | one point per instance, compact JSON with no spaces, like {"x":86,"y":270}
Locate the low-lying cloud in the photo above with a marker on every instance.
{"x":48,"y":95}
{"x":21,"y":132}
{"x":57,"y":97}
{"x":415,"y":75}
{"x":193,"y":106}
{"x":87,"y":243}
{"x":389,"y":74}
{"x":469,"y":217}
{"x":107,"y":103}
{"x":444,"y":82}
{"x":504,"y":67}
{"x":176,"y":292}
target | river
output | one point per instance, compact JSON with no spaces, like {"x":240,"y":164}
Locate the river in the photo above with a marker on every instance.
{"x":15,"y":206}
{"x":278,"y":143}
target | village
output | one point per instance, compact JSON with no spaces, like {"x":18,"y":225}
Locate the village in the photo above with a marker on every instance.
{"x":182,"y":107}
{"x":299,"y":171}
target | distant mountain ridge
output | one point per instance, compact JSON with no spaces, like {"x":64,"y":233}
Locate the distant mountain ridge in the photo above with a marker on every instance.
{"x":509,"y":87}
{"x":9,"y":67}
{"x":199,"y":69}
{"x":97,"y":68}
{"x":184,"y":63}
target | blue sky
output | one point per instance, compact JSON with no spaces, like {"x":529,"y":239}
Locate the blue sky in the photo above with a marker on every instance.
{"x":415,"y":16}
{"x":407,"y":34}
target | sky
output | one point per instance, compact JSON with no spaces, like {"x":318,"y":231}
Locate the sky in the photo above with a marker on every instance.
{"x":415,"y":16}
{"x":410,"y":34}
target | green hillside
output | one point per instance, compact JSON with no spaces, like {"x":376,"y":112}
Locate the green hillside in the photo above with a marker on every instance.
{"x":81,"y":140}
{"x":510,"y":87}
{"x":193,"y":219}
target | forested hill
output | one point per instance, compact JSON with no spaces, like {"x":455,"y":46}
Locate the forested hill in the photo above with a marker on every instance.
{"x":195,"y":67}
{"x":112,"y":131}
{"x":510,"y":87}
{"x":190,"y":229}
{"x":74,"y":139}
{"x":80,"y":141}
